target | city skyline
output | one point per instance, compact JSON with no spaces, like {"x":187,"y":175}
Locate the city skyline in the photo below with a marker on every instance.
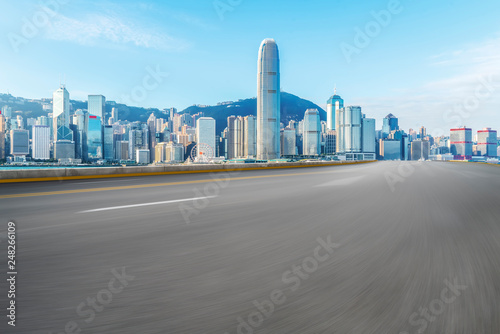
{"x":435,"y":73}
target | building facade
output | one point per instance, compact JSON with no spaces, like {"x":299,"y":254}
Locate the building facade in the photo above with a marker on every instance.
{"x":268,"y":101}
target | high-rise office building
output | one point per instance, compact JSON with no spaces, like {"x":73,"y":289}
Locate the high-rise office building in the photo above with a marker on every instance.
{"x":2,"y":123}
{"x":330,"y":142}
{"x":60,"y":115}
{"x":368,"y":144}
{"x":142,"y":157}
{"x":250,"y":136}
{"x":122,"y":150}
{"x":390,"y":149}
{"x":170,"y":152}
{"x":233,"y":137}
{"x":7,"y":111}
{"x":390,"y":123}
{"x":152,"y":136}
{"x":312,"y":133}
{"x":487,"y":142}
{"x":109,"y":152}
{"x":41,"y":142}
{"x":20,"y":122}
{"x":64,"y":149}
{"x":205,"y":134}
{"x":97,"y":106}
{"x":461,"y":143}
{"x":80,"y":134}
{"x":2,"y":145}
{"x":423,"y":132}
{"x":334,"y":103}
{"x":94,"y":138}
{"x":115,"y":114}
{"x":420,"y":150}
{"x":348,"y":125}
{"x":288,"y":142}
{"x":19,"y":142}
{"x":268,"y":101}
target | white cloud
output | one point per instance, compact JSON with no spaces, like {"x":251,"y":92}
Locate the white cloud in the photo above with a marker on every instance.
{"x":97,"y":30}
{"x":452,"y":100}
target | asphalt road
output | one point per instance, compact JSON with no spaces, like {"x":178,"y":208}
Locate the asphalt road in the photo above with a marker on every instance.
{"x":380,"y":248}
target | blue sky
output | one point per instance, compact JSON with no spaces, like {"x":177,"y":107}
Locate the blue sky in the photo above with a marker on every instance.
{"x":427,"y":63}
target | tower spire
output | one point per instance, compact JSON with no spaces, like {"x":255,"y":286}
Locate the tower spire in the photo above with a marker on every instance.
{"x":335,"y":90}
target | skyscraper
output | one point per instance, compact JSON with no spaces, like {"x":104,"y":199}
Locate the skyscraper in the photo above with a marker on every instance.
{"x":312,"y":133}
{"x":268,"y":101}
{"x":234,"y":138}
{"x":94,"y":138}
{"x":390,"y":123}
{"x":115,"y":114}
{"x":60,"y":115}
{"x":109,"y":153}
{"x":250,"y":136}
{"x":205,"y":134}
{"x":420,"y":150}
{"x":487,"y":142}
{"x":368,"y":135}
{"x":461,"y":143}
{"x":97,"y":106}
{"x":348,"y":126}
{"x":152,"y":136}
{"x":288,"y":142}
{"x":41,"y":142}
{"x":19,"y":142}
{"x":334,"y":103}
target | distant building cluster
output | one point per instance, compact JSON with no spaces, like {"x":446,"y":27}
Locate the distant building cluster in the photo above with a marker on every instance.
{"x":100,"y":135}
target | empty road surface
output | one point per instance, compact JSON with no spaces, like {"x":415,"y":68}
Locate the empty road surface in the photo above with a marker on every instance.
{"x":387,"y":247}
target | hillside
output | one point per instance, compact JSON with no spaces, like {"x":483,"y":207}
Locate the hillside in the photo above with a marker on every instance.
{"x":292,"y":108}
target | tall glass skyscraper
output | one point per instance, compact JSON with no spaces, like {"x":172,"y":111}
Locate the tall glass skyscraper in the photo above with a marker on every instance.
{"x":334,"y":103}
{"x":268,"y":101}
{"x":97,"y":106}
{"x":250,"y":136}
{"x":94,"y":138}
{"x":312,"y":133}
{"x":487,"y":142}
{"x":60,"y":115}
{"x":41,"y":142}
{"x":109,"y":153}
{"x":390,"y":123}
{"x":461,"y":143}
{"x":205,"y":134}
{"x":348,"y":124}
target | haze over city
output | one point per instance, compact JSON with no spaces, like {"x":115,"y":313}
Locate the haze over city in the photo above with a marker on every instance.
{"x":249,"y":167}
{"x":417,"y":71}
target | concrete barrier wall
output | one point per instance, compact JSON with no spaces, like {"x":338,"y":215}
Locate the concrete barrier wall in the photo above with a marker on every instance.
{"x":31,"y":175}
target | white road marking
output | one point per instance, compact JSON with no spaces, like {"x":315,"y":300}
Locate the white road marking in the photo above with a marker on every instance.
{"x":146,"y":204}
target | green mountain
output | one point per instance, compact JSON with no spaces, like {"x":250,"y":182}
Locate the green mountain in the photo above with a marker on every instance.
{"x":292,"y":108}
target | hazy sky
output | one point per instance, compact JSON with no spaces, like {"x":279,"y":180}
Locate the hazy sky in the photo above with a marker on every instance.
{"x":423,"y":61}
